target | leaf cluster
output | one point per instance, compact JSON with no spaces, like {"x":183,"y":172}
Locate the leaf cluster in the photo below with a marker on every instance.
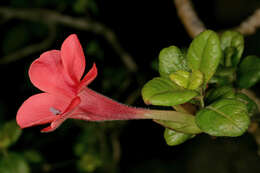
{"x":208,"y":79}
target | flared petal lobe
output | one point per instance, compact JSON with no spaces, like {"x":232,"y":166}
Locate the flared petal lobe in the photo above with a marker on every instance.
{"x":73,"y":57}
{"x":65,"y":115}
{"x":47,"y":73}
{"x":89,"y":77}
{"x":41,"y":109}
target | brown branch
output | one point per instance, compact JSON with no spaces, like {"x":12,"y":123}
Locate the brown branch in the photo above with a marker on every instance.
{"x":189,"y":18}
{"x":194,"y":25}
{"x":52,"y":17}
{"x":252,"y":95}
{"x":250,"y":25}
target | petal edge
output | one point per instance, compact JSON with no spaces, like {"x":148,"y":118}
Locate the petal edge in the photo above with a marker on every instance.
{"x":36,"y":109}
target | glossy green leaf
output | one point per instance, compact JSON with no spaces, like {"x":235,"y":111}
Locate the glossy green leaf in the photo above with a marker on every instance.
{"x":250,"y":104}
{"x":225,"y":117}
{"x":13,"y":163}
{"x":181,"y":78}
{"x":224,"y":76}
{"x":163,"y":92}
{"x":196,"y":80}
{"x":232,"y":43}
{"x":9,"y":134}
{"x":187,"y":80}
{"x":173,"y":138}
{"x":220,"y":93}
{"x":204,"y":54}
{"x":171,"y":60}
{"x":229,"y":54}
{"x":228,"y":72}
{"x":249,"y":72}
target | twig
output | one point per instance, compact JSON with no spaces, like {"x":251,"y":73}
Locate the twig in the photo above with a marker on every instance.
{"x":194,"y":25}
{"x":250,"y":25}
{"x":31,"y":48}
{"x":252,"y":95}
{"x":52,"y":17}
{"x":189,"y":18}
{"x":116,"y":147}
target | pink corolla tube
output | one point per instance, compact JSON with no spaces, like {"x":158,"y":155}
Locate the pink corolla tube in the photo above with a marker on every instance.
{"x":58,"y":73}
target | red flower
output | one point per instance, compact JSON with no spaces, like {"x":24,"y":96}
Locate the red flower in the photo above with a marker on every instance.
{"x":58,"y":73}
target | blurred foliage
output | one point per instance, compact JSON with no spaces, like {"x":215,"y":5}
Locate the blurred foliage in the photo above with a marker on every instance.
{"x":15,"y":38}
{"x":9,"y":134}
{"x":99,"y":147}
{"x":81,"y":6}
{"x":14,"y":163}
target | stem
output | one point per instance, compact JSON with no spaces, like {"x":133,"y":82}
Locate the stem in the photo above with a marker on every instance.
{"x":201,"y":98}
{"x":179,"y":108}
{"x":165,"y":115}
{"x":178,"y":121}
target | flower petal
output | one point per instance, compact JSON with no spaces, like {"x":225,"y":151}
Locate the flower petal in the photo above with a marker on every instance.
{"x":65,"y":115}
{"x":47,"y":73}
{"x":38,"y":109}
{"x":73,"y":57}
{"x":89,"y":77}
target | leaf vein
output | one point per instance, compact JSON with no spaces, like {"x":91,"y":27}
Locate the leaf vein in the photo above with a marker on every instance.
{"x":225,"y":116}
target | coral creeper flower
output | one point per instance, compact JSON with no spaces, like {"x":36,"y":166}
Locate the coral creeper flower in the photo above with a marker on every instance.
{"x":58,"y":73}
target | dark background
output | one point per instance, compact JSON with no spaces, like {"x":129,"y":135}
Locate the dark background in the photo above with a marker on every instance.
{"x":143,"y":28}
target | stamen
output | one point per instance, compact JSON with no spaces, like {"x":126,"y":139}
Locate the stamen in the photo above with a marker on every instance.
{"x":55,"y":111}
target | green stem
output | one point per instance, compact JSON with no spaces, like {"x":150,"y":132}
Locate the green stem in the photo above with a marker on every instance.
{"x":178,"y":121}
{"x":202,"y":98}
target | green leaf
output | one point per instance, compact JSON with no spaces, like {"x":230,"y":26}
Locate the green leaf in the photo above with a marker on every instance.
{"x":181,"y":78}
{"x":250,"y":104}
{"x":249,"y":72}
{"x":187,"y":80}
{"x":204,"y":54}
{"x":225,"y":117}
{"x":196,"y":80}
{"x":171,"y":60}
{"x":163,"y":92}
{"x":187,"y":125}
{"x":13,"y":163}
{"x":9,"y":134}
{"x":224,"y":76}
{"x":226,"y":72}
{"x":232,"y":43}
{"x":173,"y":138}
{"x":221,"y":81}
{"x":220,"y":93}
